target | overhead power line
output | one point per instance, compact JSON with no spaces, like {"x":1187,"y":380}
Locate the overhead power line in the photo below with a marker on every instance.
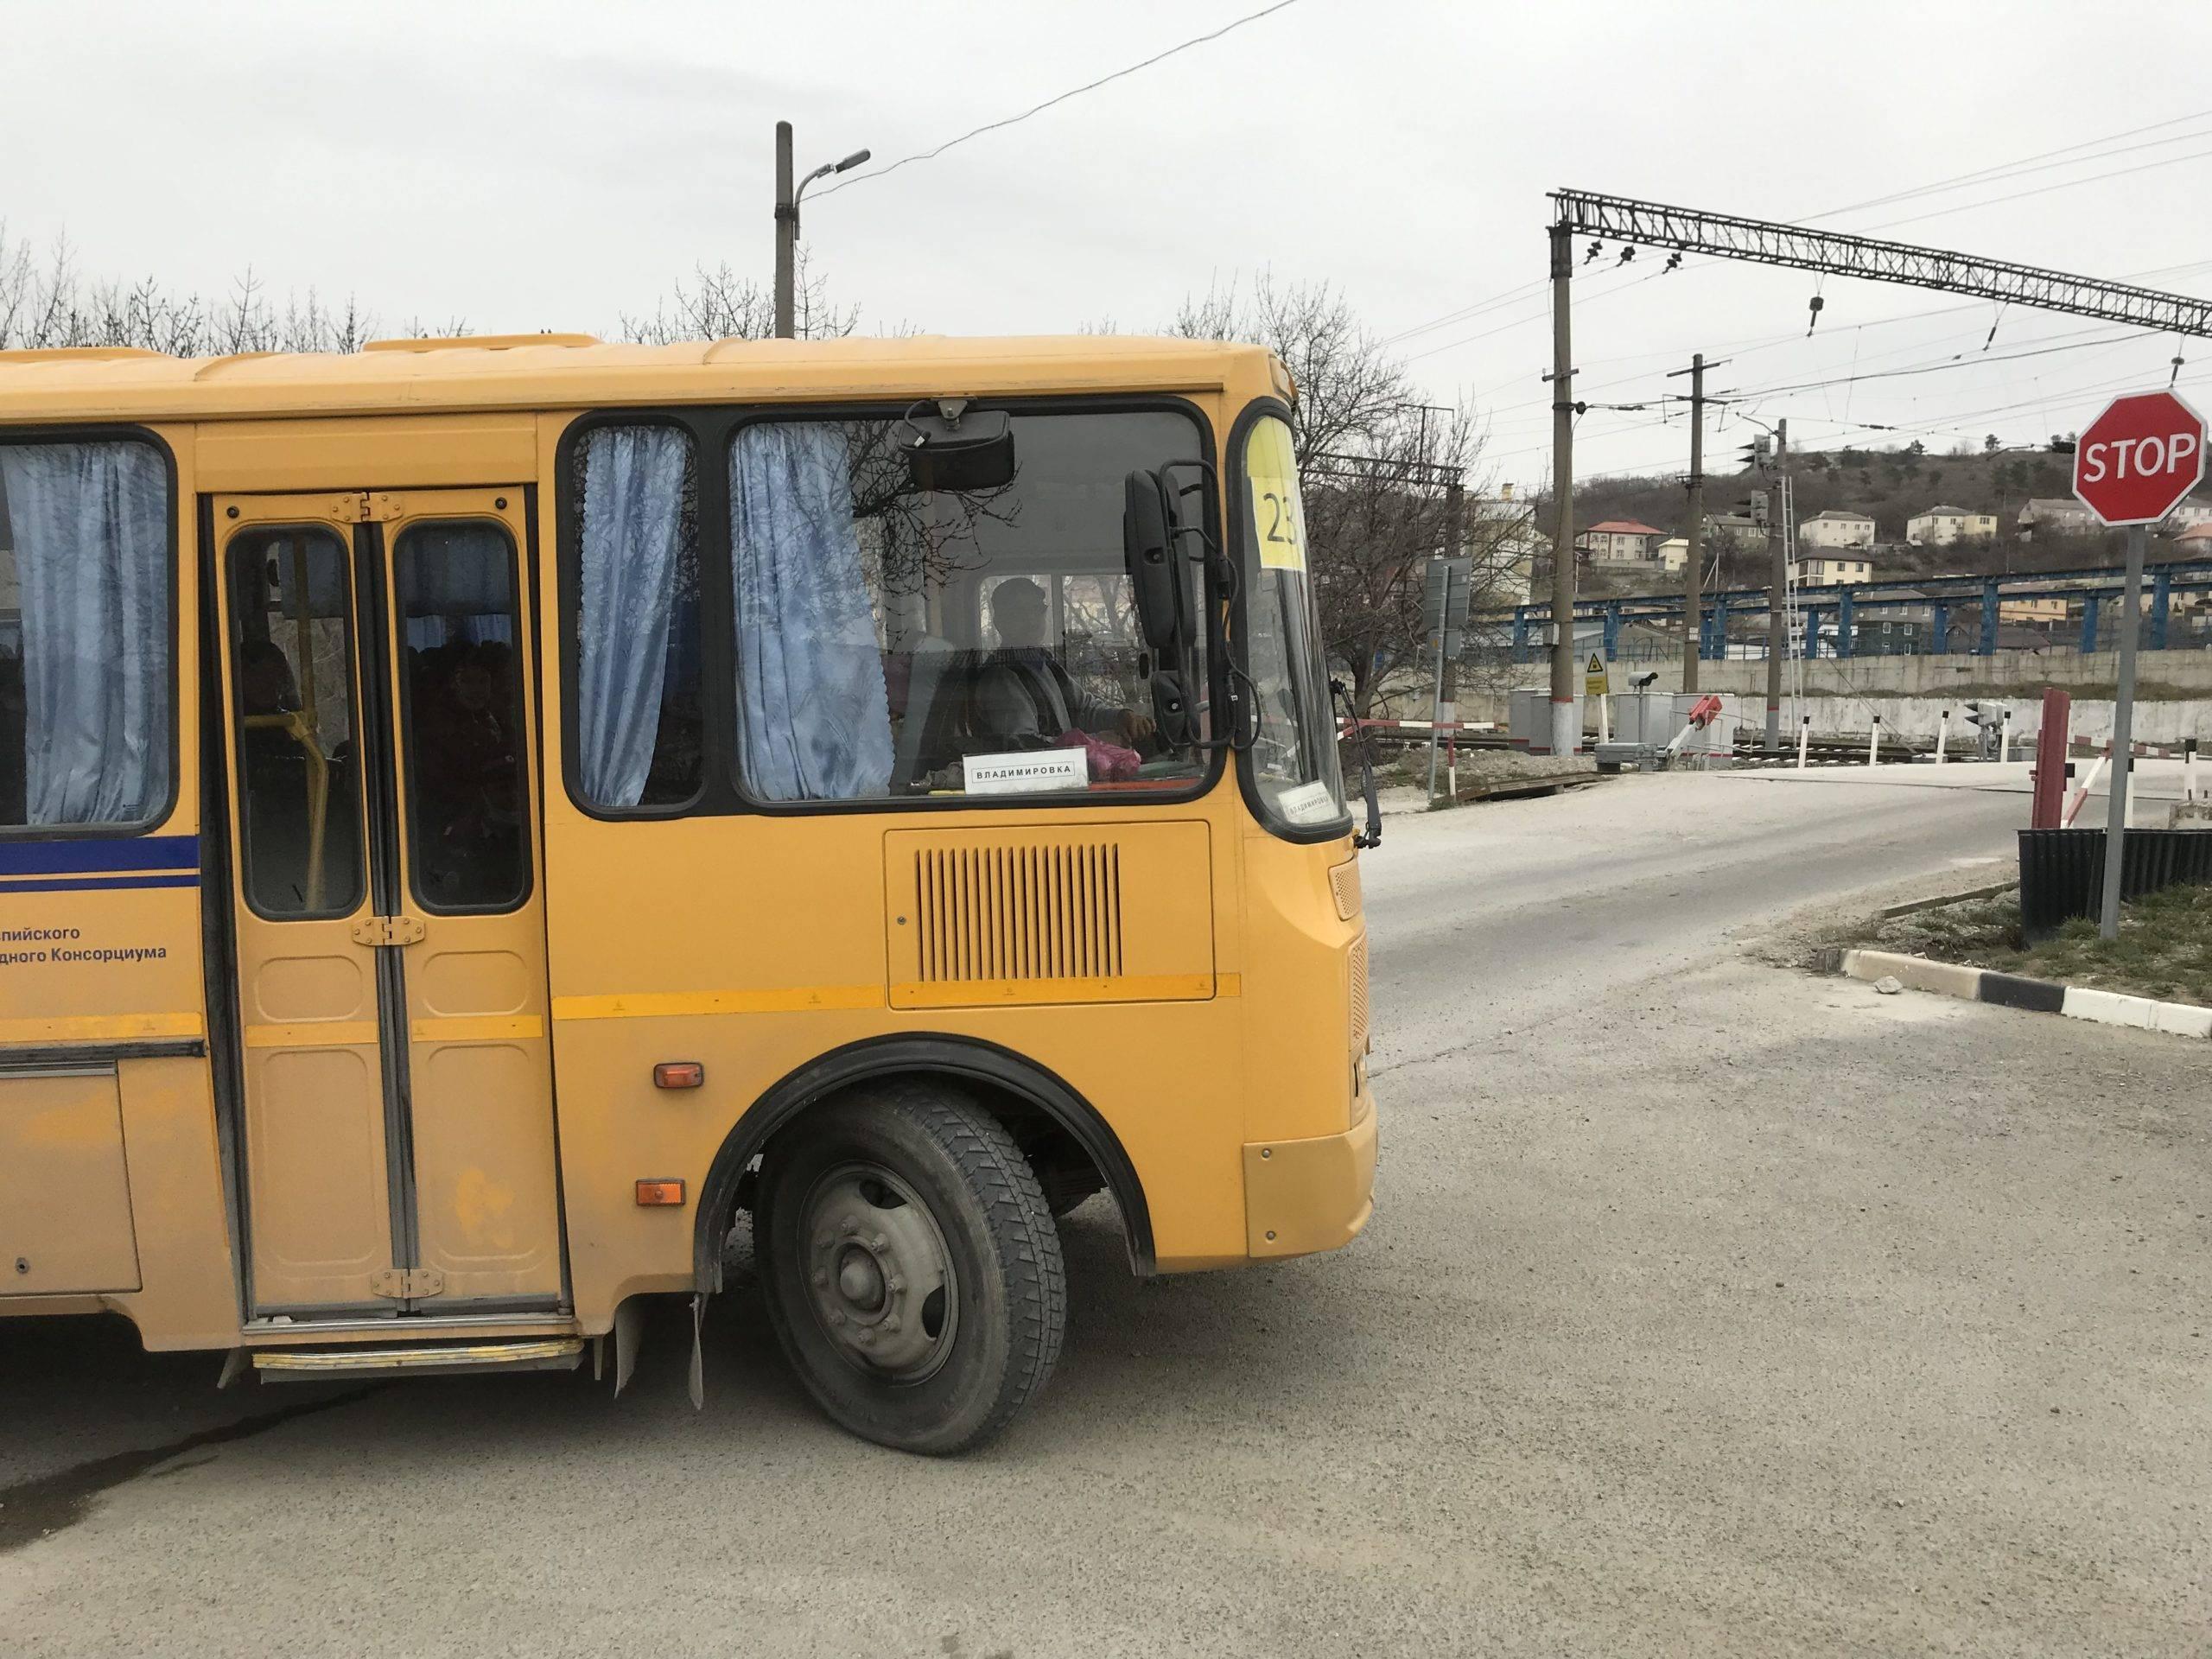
{"x":1073,"y":91}
{"x":1525,"y":290}
{"x":2045,"y":189}
{"x":2026,"y":163}
{"x":1956,"y":360}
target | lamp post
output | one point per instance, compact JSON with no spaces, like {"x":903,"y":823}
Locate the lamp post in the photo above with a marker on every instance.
{"x":787,"y":201}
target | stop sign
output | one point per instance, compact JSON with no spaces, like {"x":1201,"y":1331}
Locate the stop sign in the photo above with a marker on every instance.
{"x":2139,"y":457}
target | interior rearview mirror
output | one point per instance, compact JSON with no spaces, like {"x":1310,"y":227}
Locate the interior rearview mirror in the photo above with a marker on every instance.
{"x":973,"y":454}
{"x":1149,"y":523}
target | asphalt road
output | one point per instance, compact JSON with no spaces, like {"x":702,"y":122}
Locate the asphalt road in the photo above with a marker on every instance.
{"x":1708,"y":1307}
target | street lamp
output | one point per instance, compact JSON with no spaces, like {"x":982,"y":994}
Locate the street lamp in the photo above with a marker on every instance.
{"x":787,"y":201}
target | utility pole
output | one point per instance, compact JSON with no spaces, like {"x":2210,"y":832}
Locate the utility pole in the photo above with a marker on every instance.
{"x":1693,"y":559}
{"x":787,"y":232}
{"x":1566,"y":723}
{"x":1777,"y":621}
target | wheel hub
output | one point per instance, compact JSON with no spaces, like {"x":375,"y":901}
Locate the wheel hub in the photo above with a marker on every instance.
{"x":880,"y":1276}
{"x":860,"y":1281}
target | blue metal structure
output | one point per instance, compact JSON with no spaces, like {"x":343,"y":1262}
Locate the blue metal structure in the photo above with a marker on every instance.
{"x":1831,"y":623}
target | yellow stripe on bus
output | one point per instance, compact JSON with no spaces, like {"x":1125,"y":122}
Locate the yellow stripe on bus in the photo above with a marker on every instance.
{"x":660,"y":1004}
{"x":313,"y":1033}
{"x":478,"y":1028}
{"x":1125,"y":987}
{"x":800,"y":999}
{"x":101,"y":1028}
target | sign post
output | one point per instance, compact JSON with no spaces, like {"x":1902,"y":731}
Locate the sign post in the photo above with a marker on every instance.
{"x":1445,"y":606}
{"x":1596,"y":687}
{"x":2133,"y":466}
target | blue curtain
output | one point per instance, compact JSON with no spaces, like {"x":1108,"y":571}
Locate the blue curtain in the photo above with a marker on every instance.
{"x":633,"y":507}
{"x":89,"y":523}
{"x":814,"y":718}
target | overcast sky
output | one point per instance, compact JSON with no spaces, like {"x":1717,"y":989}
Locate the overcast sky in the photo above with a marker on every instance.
{"x":556,"y":165}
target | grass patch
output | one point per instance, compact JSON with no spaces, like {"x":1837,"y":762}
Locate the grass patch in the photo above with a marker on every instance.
{"x":2164,"y":951}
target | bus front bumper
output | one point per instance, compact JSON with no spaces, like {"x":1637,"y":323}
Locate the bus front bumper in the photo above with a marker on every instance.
{"x":1305,"y":1196}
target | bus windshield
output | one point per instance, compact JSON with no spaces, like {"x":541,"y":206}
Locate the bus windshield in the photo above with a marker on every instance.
{"x":1300,"y":784}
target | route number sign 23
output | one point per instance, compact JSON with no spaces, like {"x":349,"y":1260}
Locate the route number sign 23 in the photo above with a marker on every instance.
{"x":1278,"y":515}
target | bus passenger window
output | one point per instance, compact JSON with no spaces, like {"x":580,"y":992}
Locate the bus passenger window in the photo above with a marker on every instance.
{"x":896,"y":641}
{"x":292,"y":697}
{"x":462,"y":711}
{"x":84,"y":632}
{"x":635,"y":496}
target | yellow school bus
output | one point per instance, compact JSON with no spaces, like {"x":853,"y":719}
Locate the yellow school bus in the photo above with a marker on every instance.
{"x":493,"y":829}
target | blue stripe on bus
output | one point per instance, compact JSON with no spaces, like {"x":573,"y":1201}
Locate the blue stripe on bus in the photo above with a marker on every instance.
{"x":95,"y":883}
{"x":91,"y":883}
{"x":98,"y":855}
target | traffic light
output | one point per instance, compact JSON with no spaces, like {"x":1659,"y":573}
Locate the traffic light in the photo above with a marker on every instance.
{"x":1985,"y":720}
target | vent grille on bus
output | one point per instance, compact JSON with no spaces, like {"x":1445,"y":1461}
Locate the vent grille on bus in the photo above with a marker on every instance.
{"x":1359,"y":995}
{"x":1019,"y":912}
{"x":1343,"y":883}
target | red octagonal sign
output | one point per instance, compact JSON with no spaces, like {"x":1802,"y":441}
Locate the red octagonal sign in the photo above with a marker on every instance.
{"x":2139,"y":457}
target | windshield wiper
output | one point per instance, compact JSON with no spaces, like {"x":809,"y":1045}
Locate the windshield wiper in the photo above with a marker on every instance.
{"x":1373,"y":835}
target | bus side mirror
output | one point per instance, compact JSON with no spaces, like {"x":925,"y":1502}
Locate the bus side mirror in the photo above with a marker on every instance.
{"x":1171,"y":710}
{"x":1150,"y":523}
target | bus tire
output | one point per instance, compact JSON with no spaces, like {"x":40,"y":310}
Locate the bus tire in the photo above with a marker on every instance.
{"x":910,"y":1267}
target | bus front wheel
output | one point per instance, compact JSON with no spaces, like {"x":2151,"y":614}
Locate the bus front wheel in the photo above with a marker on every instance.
{"x":911,"y":1269}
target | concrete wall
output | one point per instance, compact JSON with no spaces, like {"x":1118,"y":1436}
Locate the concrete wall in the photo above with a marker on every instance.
{"x":1937,"y":676}
{"x":2159,"y":724}
{"x":1911,"y":693}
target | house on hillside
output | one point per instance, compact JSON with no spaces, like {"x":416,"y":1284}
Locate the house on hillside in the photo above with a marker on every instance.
{"x":1888,"y":636}
{"x":2033,"y":610}
{"x":2062,"y":513}
{"x":1831,"y":569}
{"x":1943,"y":526}
{"x":2196,"y":541}
{"x":1744,"y":532}
{"x":1836,"y":528}
{"x":1619,"y":541}
{"x":1675,"y":552}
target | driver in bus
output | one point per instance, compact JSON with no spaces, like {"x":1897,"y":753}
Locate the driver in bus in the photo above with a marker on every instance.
{"x":1024,"y":698}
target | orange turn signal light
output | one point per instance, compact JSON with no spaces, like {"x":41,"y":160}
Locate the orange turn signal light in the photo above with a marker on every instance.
{"x":651,"y":1192}
{"x":679,"y":1074}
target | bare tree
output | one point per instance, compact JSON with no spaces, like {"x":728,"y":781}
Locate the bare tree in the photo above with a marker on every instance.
{"x":1378,"y":468}
{"x":1348,"y":386}
{"x":46,"y":302}
{"x":1374,"y":516}
{"x":719,"y":304}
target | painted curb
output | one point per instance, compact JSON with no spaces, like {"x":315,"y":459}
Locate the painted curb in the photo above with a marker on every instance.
{"x":2038,"y":996}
